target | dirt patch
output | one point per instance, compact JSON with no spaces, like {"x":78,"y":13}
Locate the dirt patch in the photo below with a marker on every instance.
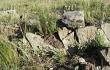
{"x":53,"y":40}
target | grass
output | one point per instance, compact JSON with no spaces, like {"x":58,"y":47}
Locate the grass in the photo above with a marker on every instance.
{"x":8,"y":54}
{"x":45,"y":13}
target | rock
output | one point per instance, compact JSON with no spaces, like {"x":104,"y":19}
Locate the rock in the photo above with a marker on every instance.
{"x":63,"y":33}
{"x":105,"y":54}
{"x":105,"y":40}
{"x":105,"y":32}
{"x":37,"y":42}
{"x":106,"y":68}
{"x":82,"y":60}
{"x":73,"y":19}
{"x":69,"y":41}
{"x":86,"y":34}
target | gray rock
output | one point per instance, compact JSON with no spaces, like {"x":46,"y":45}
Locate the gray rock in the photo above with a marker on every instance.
{"x":69,"y":41}
{"x":82,"y":60}
{"x":105,"y":53}
{"x":86,"y":34}
{"x":37,"y":42}
{"x":83,"y":34}
{"x":105,"y":32}
{"x":106,"y":68}
{"x":73,"y":19}
{"x":63,"y":33}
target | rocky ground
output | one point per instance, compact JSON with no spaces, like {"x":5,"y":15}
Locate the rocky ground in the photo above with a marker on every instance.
{"x":76,"y":38}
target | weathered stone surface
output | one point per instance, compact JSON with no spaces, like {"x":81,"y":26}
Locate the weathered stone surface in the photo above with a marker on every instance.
{"x":104,"y":38}
{"x":37,"y":42}
{"x":105,"y":32}
{"x":86,"y":34}
{"x":106,"y":68}
{"x":63,"y":33}
{"x":81,"y":60}
{"x":73,"y":19}
{"x":69,"y":41}
{"x":105,"y":53}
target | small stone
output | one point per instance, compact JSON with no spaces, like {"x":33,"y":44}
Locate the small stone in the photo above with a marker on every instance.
{"x":82,"y":60}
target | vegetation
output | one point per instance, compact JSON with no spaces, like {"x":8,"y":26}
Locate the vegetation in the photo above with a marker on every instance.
{"x":44,"y":11}
{"x":8,"y":54}
{"x":17,"y":56}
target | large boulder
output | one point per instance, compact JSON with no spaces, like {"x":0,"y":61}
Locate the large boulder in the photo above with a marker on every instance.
{"x":73,"y":19}
{"x":86,"y":34}
{"x":37,"y":42}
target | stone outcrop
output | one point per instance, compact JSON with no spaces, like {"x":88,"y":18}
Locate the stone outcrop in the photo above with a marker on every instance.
{"x":86,"y":34}
{"x":67,"y":40}
{"x":37,"y":42}
{"x":73,"y":19}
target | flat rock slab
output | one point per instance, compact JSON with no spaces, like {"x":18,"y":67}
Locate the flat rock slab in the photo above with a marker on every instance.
{"x":37,"y":42}
{"x":66,"y":38}
{"x":86,"y":34}
{"x":73,"y":19}
{"x":105,"y":32}
{"x":105,"y":53}
{"x":63,"y":33}
{"x":69,"y":41}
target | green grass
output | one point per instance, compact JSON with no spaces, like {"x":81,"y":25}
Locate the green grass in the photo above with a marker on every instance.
{"x":49,"y":11}
{"x":46,"y":13}
{"x":8,"y":54}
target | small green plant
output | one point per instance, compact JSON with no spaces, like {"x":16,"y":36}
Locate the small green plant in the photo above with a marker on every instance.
{"x":99,"y":41}
{"x":58,"y":56}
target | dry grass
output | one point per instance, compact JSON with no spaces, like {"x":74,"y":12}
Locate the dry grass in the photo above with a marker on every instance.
{"x":50,"y":11}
